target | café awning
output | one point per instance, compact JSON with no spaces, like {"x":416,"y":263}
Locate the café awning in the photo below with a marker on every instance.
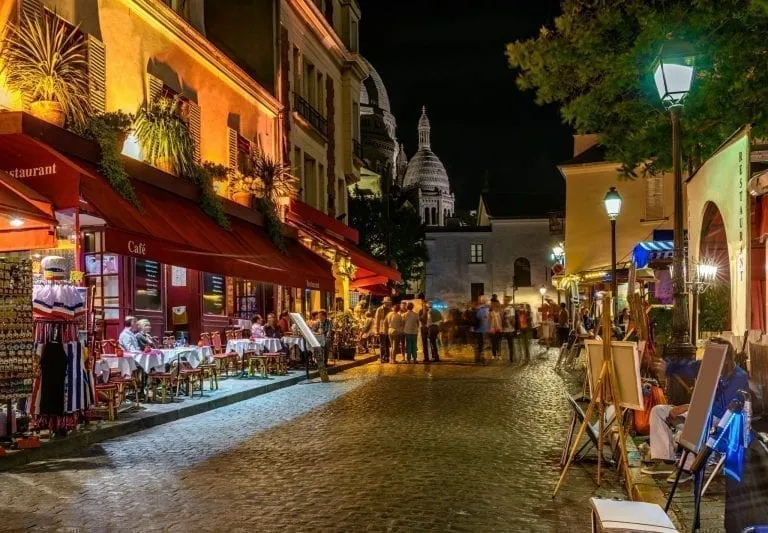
{"x":645,"y":252}
{"x":170,"y":227}
{"x":27,"y":220}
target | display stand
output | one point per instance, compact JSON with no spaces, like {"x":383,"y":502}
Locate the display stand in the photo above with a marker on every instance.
{"x":606,"y":392}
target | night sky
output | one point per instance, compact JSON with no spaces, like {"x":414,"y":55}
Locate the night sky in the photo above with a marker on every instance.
{"x":452,"y":60}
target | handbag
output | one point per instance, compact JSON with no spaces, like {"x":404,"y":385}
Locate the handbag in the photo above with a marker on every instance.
{"x":641,"y":420}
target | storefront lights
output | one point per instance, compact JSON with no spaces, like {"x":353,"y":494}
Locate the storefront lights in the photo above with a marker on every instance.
{"x":612,"y":203}
{"x":131,"y":147}
{"x":673,"y":72}
{"x":16,"y":222}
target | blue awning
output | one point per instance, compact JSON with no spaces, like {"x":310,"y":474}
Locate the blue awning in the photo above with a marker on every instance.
{"x":645,"y":252}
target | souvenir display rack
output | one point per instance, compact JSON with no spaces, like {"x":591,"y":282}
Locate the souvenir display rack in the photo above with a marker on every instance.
{"x":16,"y":333}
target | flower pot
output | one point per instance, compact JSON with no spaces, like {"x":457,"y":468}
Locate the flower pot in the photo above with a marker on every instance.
{"x":49,"y":111}
{"x":165,"y":164}
{"x":242,"y":198}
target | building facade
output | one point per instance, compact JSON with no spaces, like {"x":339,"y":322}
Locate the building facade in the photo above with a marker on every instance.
{"x":509,"y":253}
{"x":427,"y":179}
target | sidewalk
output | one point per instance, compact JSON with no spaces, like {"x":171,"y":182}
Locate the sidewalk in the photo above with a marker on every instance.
{"x":231,"y":390}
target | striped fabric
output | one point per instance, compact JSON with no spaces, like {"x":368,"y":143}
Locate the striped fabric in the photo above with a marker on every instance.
{"x":645,"y":252}
{"x":79,"y":386}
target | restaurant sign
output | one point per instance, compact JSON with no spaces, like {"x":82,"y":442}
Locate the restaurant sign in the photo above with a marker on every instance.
{"x":32,"y":172}
{"x":137,"y":248}
{"x":313,"y":285}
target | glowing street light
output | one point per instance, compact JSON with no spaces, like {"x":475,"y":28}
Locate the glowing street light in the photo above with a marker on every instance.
{"x":612,"y":203}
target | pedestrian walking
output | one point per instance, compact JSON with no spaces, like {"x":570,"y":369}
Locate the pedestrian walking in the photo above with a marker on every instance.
{"x":494,"y":326}
{"x":424,"y":328}
{"x":434,"y":317}
{"x":381,"y":330}
{"x":394,"y":325}
{"x":508,"y":330}
{"x":523,"y":326}
{"x":563,"y":328}
{"x":480,"y":329}
{"x":411,"y":329}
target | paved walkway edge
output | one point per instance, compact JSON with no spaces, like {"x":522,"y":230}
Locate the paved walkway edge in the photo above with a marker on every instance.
{"x":81,"y":440}
{"x":645,"y":489}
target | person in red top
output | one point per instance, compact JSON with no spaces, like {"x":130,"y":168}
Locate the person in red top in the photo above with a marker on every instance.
{"x":284,"y":324}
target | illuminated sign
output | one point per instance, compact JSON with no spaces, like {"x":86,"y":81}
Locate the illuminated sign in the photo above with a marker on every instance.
{"x":137,"y":248}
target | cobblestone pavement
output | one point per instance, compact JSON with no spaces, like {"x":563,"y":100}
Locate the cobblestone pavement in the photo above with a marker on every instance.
{"x":443,"y":447}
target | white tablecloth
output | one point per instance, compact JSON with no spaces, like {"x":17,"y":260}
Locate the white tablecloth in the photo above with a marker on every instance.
{"x":268,"y":345}
{"x":301,"y":342}
{"x":101,"y":371}
{"x":148,"y":361}
{"x":195,"y":355}
{"x":125,"y":364}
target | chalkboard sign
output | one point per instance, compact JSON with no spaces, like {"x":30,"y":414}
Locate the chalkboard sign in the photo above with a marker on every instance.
{"x":696,"y":421}
{"x":214,"y":289}
{"x":147,"y":284}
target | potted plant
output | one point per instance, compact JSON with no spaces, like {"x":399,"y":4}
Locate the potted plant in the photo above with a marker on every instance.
{"x":241,"y":188}
{"x":276,"y":180}
{"x":44,"y":59}
{"x":345,"y":333}
{"x":164,"y":136}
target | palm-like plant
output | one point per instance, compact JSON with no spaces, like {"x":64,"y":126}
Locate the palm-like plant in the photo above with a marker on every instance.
{"x":45,"y":60}
{"x":275,"y":176}
{"x":164,"y":136}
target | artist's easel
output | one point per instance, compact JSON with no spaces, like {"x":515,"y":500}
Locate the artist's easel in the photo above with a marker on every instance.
{"x":605,"y":392}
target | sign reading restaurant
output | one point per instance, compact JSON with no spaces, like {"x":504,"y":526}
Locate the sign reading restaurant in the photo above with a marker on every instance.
{"x":32,"y":172}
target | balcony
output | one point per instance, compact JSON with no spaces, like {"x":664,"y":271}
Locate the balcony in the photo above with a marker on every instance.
{"x":357,"y":149}
{"x":311,"y":115}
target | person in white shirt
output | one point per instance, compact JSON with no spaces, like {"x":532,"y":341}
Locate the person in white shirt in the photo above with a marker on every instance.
{"x":127,"y":339}
{"x":411,"y":330}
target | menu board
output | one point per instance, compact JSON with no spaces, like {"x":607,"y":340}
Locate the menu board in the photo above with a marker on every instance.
{"x":214,"y":287}
{"x":147,"y":284}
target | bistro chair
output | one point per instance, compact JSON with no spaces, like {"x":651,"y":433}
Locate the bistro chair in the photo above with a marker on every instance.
{"x":210,"y":370}
{"x":221,"y":356}
{"x":106,"y":399}
{"x":163,"y":381}
{"x":108,"y":347}
{"x":189,"y":377}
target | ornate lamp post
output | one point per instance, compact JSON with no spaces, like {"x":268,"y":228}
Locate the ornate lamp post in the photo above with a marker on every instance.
{"x":673,"y":74}
{"x":612,"y":203}
{"x":542,"y":291}
{"x":558,"y":254}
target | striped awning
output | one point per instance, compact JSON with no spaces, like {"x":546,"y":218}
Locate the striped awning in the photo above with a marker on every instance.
{"x":645,"y":252}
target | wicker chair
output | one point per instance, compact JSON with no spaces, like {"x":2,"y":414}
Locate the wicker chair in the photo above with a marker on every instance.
{"x":124,"y":384}
{"x":210,"y":370}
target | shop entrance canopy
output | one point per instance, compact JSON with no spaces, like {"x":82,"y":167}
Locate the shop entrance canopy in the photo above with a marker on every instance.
{"x":645,"y":252}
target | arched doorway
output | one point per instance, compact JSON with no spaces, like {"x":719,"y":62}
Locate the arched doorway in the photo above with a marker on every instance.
{"x":715,"y":303}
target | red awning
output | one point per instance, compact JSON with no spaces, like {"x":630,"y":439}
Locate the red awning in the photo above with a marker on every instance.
{"x":35,"y":213}
{"x":173,"y":230}
{"x":320,"y":226}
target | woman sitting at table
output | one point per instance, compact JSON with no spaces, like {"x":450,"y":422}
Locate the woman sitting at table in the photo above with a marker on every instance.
{"x":272,"y":330}
{"x":284,"y":323}
{"x":144,"y":335}
{"x":257,"y":327}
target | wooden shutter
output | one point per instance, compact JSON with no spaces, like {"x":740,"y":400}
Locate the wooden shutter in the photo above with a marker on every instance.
{"x":30,"y":9}
{"x":154,"y":87}
{"x":654,"y":198}
{"x":232,"y":148}
{"x":194,"y":128}
{"x":97,"y":75}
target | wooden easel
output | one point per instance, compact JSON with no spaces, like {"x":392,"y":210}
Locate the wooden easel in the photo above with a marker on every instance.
{"x":605,"y":392}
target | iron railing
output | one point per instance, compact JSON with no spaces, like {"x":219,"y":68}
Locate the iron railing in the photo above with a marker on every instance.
{"x":310,"y":114}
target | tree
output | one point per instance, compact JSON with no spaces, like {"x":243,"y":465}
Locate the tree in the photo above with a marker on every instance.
{"x":407,"y":240}
{"x":595,"y":63}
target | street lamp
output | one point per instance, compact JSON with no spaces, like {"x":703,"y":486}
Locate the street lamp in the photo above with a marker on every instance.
{"x":703,"y":276}
{"x":673,"y":73}
{"x":542,"y":291}
{"x":558,"y":252}
{"x":612,"y":203}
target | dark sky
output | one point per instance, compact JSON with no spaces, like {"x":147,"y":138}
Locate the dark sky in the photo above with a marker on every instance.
{"x":450,"y":57}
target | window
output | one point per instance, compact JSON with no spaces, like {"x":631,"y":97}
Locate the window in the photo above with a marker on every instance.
{"x":353,"y":36}
{"x":434,"y":216}
{"x":476,"y":253}
{"x":214,"y":289}
{"x":322,"y":200}
{"x":426,"y":216}
{"x":298,"y":169}
{"x":297,"y":68}
{"x":522,"y":275}
{"x":310,"y":181}
{"x":146,"y":283}
{"x":654,"y":198}
{"x":320,"y":104}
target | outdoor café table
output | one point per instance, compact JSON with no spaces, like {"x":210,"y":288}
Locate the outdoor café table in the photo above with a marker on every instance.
{"x":301,"y":341}
{"x":268,"y":345}
{"x":152,"y":360}
{"x":195,"y":355}
{"x":125,"y":365}
{"x":240,"y":346}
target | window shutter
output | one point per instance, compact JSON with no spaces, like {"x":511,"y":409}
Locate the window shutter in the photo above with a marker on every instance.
{"x":232,"y":148}
{"x":30,"y":9}
{"x":194,"y":128}
{"x":97,"y":74}
{"x":654,"y":198}
{"x":154,"y":87}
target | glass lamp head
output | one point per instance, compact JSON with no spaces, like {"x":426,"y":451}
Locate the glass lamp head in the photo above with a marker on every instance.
{"x":557,"y":251}
{"x":673,"y":72}
{"x":542,"y":290}
{"x":612,"y":203}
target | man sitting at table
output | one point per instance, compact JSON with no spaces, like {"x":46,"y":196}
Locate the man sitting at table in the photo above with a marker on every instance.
{"x":127,"y":340}
{"x":271,"y":330}
{"x":144,"y":335}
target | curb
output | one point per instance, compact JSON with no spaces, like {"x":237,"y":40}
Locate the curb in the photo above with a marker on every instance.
{"x":646,"y":490}
{"x":81,"y":440}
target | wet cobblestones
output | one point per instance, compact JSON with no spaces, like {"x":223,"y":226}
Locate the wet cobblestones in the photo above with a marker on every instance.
{"x":445,"y":447}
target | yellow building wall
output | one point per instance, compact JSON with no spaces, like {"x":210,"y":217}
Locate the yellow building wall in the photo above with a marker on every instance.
{"x":587,"y":228}
{"x":137,"y":43}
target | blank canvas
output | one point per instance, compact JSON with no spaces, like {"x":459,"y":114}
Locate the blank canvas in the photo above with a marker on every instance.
{"x":626,"y":371}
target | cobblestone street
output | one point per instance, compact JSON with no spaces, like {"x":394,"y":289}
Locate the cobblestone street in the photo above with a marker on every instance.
{"x":445,"y":447}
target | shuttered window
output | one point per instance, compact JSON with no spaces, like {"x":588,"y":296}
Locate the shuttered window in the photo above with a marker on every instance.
{"x":29,"y":9}
{"x":97,"y":75}
{"x":232,"y":149}
{"x":195,"y":126}
{"x":654,"y":198}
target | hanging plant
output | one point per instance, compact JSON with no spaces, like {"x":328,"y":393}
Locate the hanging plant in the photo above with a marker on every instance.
{"x":110,"y":130}
{"x":275,"y":177}
{"x":164,"y":135}
{"x":203,"y":177}
{"x":272,"y":223}
{"x":44,"y":59}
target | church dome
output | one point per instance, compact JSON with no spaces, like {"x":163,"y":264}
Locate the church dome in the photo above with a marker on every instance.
{"x":425,"y":171}
{"x":373,"y":94}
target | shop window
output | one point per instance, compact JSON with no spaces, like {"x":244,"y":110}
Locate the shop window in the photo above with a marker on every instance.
{"x":476,"y":253}
{"x":522,"y":275}
{"x":102,"y":277}
{"x":147,"y":285}
{"x":214,"y":291}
